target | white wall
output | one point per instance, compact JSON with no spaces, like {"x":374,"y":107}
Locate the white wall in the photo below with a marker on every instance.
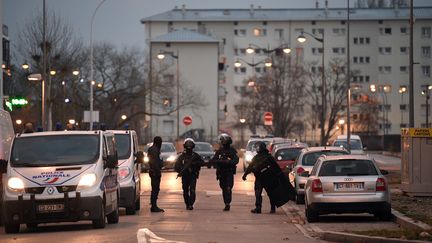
{"x":198,"y":68}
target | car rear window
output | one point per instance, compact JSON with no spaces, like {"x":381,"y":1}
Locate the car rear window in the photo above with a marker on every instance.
{"x":311,"y":158}
{"x":349,"y":167}
{"x":288,"y":153}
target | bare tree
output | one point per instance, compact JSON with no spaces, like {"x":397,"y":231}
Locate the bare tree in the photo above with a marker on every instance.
{"x":335,"y":95}
{"x":279,"y":91}
{"x":63,"y":49}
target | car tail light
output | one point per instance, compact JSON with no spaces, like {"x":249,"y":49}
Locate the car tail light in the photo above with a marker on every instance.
{"x":300,"y":170}
{"x":317,"y":186}
{"x":380,"y":184}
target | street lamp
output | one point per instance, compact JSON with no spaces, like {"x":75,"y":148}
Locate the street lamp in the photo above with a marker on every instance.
{"x":283,"y":47}
{"x":382,"y":90}
{"x":25,"y":66}
{"x":302,"y":39}
{"x":402,"y":91}
{"x":161,"y":55}
{"x":426,"y":93}
{"x":91,"y":63}
{"x":123,"y":117}
{"x":18,"y":121}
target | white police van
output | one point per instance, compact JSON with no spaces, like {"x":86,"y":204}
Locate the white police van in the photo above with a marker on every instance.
{"x":130,"y":160}
{"x":59,"y":177}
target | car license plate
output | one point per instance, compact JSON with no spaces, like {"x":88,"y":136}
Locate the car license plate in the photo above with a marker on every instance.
{"x":356,"y":186}
{"x":49,"y":208}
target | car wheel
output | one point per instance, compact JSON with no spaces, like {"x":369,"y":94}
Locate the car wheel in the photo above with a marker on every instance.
{"x":100,"y":222}
{"x":113,"y":217}
{"x":311,"y":215}
{"x":138,"y":203}
{"x":299,"y":199}
{"x":31,"y":226}
{"x":385,"y":215}
{"x":11,"y":228}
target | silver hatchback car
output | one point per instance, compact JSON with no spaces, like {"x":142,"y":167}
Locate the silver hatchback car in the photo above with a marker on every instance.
{"x":346,"y":184}
{"x":305,"y":162}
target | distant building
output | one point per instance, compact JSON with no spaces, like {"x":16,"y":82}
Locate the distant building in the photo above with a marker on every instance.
{"x":379,"y":50}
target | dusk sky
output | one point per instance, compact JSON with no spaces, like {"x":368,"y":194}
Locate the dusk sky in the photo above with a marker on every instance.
{"x":118,"y":21}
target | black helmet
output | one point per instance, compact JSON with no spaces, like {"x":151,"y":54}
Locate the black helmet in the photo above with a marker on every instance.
{"x":189,"y":143}
{"x":260,"y":147}
{"x":225,"y":139}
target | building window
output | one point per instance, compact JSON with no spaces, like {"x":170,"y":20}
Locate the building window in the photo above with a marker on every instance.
{"x":385,"y":31}
{"x":384,"y":69}
{"x":361,"y":60}
{"x":278,"y":34}
{"x":240,"y":32}
{"x":240,"y":70}
{"x":317,"y":31}
{"x":339,"y":31}
{"x":339,"y":50}
{"x":403,"y":107}
{"x":317,"y":51}
{"x":242,"y":51}
{"x":426,"y":51}
{"x":404,"y":50}
{"x":426,"y":71}
{"x":404,"y":30}
{"x":259,"y":32}
{"x":426,"y":32}
{"x":385,"y":50}
{"x":367,"y":79}
{"x":404,"y":69}
{"x":403,"y":125}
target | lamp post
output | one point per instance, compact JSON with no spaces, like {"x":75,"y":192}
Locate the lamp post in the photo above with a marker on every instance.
{"x":382,"y":90}
{"x":91,"y":63}
{"x":302,"y":38}
{"x":161,"y":56}
{"x":402,"y":91}
{"x":242,"y":122}
{"x":426,"y":93}
{"x":348,"y":80}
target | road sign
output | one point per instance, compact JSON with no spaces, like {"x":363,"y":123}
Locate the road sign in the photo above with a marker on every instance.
{"x":187,"y":120}
{"x":87,"y":116}
{"x":268,"y":118}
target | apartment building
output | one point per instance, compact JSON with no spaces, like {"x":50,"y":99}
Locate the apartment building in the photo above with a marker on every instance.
{"x":379,"y":51}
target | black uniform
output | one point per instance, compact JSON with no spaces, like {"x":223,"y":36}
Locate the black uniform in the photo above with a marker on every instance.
{"x":155,"y":166}
{"x":226,"y":160}
{"x":188,"y":166}
{"x":263,"y":161}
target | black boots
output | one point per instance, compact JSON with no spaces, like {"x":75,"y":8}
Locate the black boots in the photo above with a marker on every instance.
{"x":227,"y":207}
{"x":256,"y":210}
{"x":189,"y":207}
{"x":156,"y":209}
{"x":273,"y":209}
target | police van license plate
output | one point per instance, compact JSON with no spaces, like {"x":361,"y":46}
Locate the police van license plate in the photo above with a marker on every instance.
{"x":49,"y":208}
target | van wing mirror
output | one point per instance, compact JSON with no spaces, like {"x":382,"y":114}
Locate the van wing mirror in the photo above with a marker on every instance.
{"x":139,"y":157}
{"x":3,"y":166}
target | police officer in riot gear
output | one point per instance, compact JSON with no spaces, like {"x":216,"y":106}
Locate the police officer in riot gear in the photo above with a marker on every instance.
{"x":225,"y":160}
{"x":155,"y":166}
{"x":261,"y":162}
{"x":188,"y":166}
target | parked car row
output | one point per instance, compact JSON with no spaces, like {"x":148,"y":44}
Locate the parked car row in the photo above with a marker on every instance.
{"x":330,"y":179}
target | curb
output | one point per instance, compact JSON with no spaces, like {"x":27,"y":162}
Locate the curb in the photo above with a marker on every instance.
{"x":409,"y":223}
{"x":348,"y":237}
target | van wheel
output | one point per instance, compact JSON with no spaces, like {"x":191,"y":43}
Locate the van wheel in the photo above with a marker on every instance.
{"x":11,"y":228}
{"x":311,"y":215}
{"x":32,"y":226}
{"x":100,"y":222}
{"x":113,"y":217}
{"x":138,"y":203}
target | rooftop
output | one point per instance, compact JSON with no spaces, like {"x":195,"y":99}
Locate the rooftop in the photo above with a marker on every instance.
{"x":260,"y":14}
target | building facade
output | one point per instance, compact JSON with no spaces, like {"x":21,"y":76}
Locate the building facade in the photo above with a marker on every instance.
{"x":379,"y":52}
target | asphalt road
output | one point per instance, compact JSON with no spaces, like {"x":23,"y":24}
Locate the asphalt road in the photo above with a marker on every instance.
{"x":206,"y":223}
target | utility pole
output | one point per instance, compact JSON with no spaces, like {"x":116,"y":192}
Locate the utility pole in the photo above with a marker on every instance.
{"x":411,"y":67}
